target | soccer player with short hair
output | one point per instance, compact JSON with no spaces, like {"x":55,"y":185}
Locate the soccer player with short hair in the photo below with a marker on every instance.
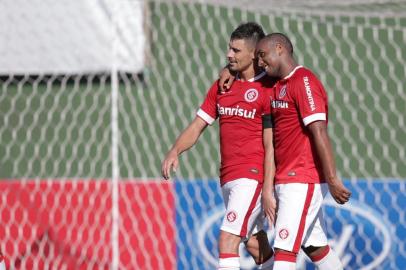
{"x":245,"y":145}
{"x":305,"y":167}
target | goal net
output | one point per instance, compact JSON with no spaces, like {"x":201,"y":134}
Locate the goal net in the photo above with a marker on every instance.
{"x":93,"y":94}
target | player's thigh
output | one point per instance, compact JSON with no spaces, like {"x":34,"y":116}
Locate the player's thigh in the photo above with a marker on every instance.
{"x":243,"y":206}
{"x":298,"y":208}
{"x":316,"y":234}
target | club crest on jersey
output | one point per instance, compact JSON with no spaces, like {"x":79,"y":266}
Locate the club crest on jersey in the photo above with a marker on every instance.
{"x":283,"y":234}
{"x":282,"y":93}
{"x":231,"y":216}
{"x":251,"y":95}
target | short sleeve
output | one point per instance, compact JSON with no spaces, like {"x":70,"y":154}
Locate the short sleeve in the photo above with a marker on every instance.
{"x":208,"y":109}
{"x":310,"y":98}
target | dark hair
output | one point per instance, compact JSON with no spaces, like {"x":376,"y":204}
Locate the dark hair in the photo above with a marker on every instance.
{"x":282,"y":39}
{"x":248,"y":31}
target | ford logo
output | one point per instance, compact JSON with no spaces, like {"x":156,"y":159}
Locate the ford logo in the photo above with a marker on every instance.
{"x":357,"y":233}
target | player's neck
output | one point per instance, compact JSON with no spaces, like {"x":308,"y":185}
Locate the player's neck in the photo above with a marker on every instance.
{"x":247,"y":74}
{"x":287,"y":68}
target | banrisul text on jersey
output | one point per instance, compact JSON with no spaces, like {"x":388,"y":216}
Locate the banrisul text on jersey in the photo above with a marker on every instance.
{"x":236,"y":111}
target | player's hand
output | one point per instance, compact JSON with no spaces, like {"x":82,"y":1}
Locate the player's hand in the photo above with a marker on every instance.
{"x":171,"y":162}
{"x":226,"y":79}
{"x":269,"y":205}
{"x":339,"y":192}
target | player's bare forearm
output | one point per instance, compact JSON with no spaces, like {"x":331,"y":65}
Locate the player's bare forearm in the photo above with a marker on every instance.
{"x":185,"y":141}
{"x":269,"y":160}
{"x":268,"y":199}
{"x":324,"y":152}
{"x":189,"y":136}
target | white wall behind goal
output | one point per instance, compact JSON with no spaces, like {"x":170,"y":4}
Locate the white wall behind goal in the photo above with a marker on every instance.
{"x":53,"y":37}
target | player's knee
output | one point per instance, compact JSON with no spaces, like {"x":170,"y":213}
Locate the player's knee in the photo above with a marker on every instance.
{"x":324,"y":258}
{"x":263,"y":257}
{"x":260,"y":235}
{"x":228,"y":242}
{"x":316,"y":252}
{"x":259,"y":248}
{"x":265,"y":249}
{"x":259,"y":239}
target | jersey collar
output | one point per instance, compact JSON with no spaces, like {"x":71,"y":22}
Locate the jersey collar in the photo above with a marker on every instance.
{"x":256,"y":78}
{"x":292,"y":72}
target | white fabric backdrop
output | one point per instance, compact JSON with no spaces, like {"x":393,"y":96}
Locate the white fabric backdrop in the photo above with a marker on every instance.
{"x":70,"y":36}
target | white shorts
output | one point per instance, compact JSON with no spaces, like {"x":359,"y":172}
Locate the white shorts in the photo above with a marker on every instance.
{"x":300,"y":219}
{"x":244,"y":215}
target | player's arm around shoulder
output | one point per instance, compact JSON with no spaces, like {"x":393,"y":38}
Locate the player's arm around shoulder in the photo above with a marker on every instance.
{"x":226,"y":79}
{"x":268,"y":199}
{"x":319,"y":135}
{"x":185,"y":141}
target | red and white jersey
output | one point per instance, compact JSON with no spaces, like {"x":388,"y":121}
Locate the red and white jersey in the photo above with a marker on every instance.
{"x":240,"y":112}
{"x":297,"y":100}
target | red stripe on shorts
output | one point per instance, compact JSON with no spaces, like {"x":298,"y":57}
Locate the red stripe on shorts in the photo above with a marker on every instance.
{"x":244,"y":228}
{"x":300,"y":231}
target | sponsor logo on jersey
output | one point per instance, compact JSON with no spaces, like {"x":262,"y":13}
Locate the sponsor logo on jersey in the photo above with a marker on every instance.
{"x":282,"y":93}
{"x":254,"y":170}
{"x":236,"y":111}
{"x":251,"y":95}
{"x":309,"y":93}
{"x":283,"y":234}
{"x":280,"y":104}
{"x":231,"y":216}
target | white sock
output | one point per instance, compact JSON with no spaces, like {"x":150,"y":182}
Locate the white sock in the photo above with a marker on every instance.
{"x":229,"y":262}
{"x":284,"y":265}
{"x":284,"y":260}
{"x":268,"y":265}
{"x":329,"y":262}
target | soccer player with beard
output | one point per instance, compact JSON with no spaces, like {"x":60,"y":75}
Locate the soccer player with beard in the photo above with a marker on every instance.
{"x":246,"y":149}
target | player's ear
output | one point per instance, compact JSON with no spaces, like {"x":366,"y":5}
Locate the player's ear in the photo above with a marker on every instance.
{"x":253,"y":53}
{"x":278,"y":48}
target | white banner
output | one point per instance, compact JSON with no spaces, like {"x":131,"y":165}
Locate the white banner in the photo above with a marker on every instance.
{"x":71,"y":36}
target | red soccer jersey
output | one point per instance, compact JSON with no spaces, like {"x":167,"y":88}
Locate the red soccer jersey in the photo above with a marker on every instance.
{"x":297,"y":100}
{"x":240,"y":112}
